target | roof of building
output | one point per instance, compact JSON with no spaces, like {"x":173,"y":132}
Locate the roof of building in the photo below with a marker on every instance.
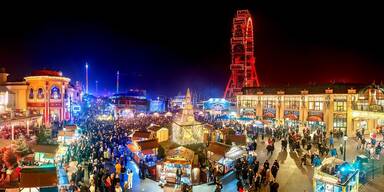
{"x":10,"y":83}
{"x":46,"y":72}
{"x":338,"y":88}
{"x":218,"y":148}
{"x":142,"y":134}
{"x":148,"y":144}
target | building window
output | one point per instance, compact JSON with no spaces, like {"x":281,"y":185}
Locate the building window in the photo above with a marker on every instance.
{"x":340,"y":106}
{"x":55,"y":93}
{"x":40,"y":93}
{"x":292,"y":103}
{"x":269,"y":104}
{"x":315,"y":105}
{"x":340,"y":123}
{"x":31,"y":94}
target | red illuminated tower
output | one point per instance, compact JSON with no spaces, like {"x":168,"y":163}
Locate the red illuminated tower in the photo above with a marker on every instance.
{"x":243,"y":70}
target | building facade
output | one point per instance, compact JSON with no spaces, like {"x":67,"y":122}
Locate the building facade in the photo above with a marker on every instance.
{"x":129,"y":103}
{"x":330,"y":107}
{"x":47,"y":94}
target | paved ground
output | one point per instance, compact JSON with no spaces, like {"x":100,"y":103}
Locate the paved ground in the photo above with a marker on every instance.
{"x":377,"y":185}
{"x":291,"y":177}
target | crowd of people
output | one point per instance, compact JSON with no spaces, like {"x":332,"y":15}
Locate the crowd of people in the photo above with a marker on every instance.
{"x":144,"y":122}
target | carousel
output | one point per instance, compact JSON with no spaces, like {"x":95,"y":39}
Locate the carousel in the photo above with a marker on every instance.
{"x":335,"y":175}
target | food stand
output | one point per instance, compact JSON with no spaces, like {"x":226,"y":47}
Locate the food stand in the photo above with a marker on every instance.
{"x":335,"y":175}
{"x":45,"y":154}
{"x":184,"y":159}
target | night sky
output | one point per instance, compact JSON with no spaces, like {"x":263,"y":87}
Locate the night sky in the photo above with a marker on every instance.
{"x":165,"y":49}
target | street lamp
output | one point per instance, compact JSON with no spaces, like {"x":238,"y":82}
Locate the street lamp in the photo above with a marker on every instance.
{"x":345,"y":138}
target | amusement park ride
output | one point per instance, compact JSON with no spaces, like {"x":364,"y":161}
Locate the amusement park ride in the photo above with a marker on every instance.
{"x":243,"y":70}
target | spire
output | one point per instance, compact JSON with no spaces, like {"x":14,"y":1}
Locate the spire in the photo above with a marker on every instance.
{"x":188,"y":96}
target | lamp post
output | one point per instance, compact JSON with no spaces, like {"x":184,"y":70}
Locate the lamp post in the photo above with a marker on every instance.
{"x":345,"y":138}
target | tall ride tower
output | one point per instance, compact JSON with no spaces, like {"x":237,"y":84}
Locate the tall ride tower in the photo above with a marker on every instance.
{"x":117,"y":82}
{"x":243,"y":70}
{"x":86,"y":78}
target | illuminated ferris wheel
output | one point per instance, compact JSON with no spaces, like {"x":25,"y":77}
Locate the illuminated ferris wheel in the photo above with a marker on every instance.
{"x":243,"y":70}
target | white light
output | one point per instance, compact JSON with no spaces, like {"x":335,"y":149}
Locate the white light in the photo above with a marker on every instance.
{"x":86,"y":65}
{"x":345,"y":138}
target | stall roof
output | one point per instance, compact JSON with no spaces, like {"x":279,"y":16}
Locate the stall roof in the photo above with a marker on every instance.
{"x":228,"y":131}
{"x":142,"y":134}
{"x":238,"y":139}
{"x":218,"y":148}
{"x":71,"y":127}
{"x":180,"y":154}
{"x":66,"y":133}
{"x":154,"y":128}
{"x":45,"y":148}
{"x":38,"y":177}
{"x":235,"y":152}
{"x":148,"y":144}
{"x":133,"y":148}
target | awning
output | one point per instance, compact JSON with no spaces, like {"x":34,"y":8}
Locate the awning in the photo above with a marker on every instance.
{"x":269,"y":114}
{"x":314,"y":118}
{"x":266,"y":121}
{"x":291,"y":117}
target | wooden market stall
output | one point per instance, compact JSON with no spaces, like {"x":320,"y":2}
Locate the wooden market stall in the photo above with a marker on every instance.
{"x":45,"y":154}
{"x":215,"y":152}
{"x":160,"y":133}
{"x":38,"y":177}
{"x":185,"y":159}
